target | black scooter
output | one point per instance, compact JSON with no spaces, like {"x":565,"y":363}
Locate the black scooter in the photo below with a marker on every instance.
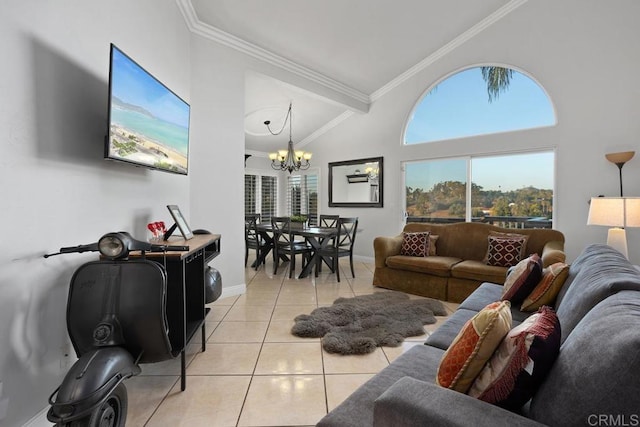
{"x":116,"y":319}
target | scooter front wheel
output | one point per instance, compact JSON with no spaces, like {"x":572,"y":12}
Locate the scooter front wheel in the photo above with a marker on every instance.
{"x":112,"y":413}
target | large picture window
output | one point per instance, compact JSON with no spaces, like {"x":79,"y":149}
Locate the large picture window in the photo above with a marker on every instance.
{"x":514,"y":191}
{"x":437,"y":189}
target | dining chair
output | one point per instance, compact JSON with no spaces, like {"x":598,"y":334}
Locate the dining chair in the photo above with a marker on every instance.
{"x":285,"y":244}
{"x":342,"y":246}
{"x":329,"y":220}
{"x":253,"y":239}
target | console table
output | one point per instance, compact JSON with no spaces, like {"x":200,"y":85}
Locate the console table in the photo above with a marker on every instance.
{"x":186,"y":309}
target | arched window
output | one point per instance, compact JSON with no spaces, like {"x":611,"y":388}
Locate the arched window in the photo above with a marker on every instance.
{"x":479,"y":101}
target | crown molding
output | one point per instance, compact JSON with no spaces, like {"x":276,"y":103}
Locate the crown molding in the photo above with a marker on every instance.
{"x":449,"y":47}
{"x":229,"y":40}
{"x":250,"y":49}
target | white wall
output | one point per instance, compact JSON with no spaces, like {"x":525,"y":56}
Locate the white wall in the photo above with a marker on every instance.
{"x":217,"y":180}
{"x":584,"y":55}
{"x":56,"y":188}
{"x":58,"y":191}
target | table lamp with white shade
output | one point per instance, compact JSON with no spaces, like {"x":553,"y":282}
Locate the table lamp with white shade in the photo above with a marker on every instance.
{"x":618,"y":213}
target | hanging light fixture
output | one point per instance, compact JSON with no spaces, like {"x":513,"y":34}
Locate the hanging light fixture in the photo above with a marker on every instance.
{"x":288,"y":160}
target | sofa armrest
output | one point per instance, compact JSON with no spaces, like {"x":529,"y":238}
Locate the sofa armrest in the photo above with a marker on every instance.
{"x":384,"y":247}
{"x":553,"y":252}
{"x":411,"y":402}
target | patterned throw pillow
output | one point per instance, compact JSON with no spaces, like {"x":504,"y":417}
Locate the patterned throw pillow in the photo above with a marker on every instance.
{"x":547,"y":290}
{"x":521,"y":362}
{"x":506,"y":250}
{"x":415,"y":244}
{"x":522,"y":279}
{"x":474,"y":345}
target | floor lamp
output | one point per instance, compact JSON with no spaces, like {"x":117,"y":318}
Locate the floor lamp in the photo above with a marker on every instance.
{"x":620,"y":159}
{"x":618,"y":213}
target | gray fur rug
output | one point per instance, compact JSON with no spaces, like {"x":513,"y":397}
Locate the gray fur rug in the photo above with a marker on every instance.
{"x":358,"y":325}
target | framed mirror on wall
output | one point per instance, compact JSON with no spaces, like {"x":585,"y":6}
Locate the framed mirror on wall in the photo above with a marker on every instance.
{"x":356,"y":183}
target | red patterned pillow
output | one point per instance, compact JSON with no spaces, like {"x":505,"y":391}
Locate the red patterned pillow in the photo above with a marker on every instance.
{"x":506,"y":250}
{"x":546,"y":291}
{"x":415,"y":244}
{"x":473,"y":346}
{"x":521,"y":362}
{"x":522,"y":279}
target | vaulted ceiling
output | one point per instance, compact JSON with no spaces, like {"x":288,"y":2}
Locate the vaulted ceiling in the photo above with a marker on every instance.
{"x":360,"y":49}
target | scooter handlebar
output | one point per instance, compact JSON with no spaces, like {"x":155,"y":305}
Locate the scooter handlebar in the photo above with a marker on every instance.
{"x":91,"y":247}
{"x":79,"y":248}
{"x":129,"y":242}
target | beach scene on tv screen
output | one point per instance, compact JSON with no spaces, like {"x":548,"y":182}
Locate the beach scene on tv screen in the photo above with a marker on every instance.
{"x":149,"y":124}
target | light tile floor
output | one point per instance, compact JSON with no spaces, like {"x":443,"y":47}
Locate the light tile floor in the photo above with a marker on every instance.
{"x":254,"y":372}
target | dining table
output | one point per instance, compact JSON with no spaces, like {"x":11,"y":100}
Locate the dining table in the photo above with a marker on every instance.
{"x":317,"y":237}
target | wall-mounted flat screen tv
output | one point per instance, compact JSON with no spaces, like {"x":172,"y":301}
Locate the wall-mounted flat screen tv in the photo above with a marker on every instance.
{"x":148,"y":123}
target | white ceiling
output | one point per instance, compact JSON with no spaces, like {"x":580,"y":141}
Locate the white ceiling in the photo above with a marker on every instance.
{"x":268,"y":99}
{"x":360,"y":48}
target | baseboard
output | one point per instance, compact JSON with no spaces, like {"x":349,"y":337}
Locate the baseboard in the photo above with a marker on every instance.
{"x":364,"y":259}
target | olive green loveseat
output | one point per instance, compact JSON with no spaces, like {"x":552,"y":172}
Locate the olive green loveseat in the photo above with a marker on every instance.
{"x":458,"y":267}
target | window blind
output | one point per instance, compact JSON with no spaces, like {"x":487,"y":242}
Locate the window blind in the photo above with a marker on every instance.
{"x":302,"y":196}
{"x":261,"y":195}
{"x":250,"y":184}
{"x":269,"y":190}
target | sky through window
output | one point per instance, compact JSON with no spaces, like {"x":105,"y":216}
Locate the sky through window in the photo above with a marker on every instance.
{"x":459,"y":106}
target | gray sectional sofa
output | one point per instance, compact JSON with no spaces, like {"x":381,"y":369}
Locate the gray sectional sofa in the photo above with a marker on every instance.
{"x":594,"y":381}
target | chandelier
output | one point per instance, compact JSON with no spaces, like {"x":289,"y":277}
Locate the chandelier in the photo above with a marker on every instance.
{"x":289,"y":159}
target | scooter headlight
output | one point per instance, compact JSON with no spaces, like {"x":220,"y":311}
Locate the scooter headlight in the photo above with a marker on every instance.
{"x":112,"y":246}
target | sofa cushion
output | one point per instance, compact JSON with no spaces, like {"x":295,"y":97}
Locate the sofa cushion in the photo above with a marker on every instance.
{"x":476,"y":270}
{"x":603,"y":271}
{"x":420,"y":362}
{"x":522,"y":279}
{"x":473,"y":346}
{"x":505,"y":250}
{"x":597,"y":371}
{"x":415,"y":244}
{"x":411,"y":403}
{"x":485,"y":294}
{"x":576,"y":266}
{"x":547,"y":290}
{"x":521,"y":362}
{"x":436,"y":265}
